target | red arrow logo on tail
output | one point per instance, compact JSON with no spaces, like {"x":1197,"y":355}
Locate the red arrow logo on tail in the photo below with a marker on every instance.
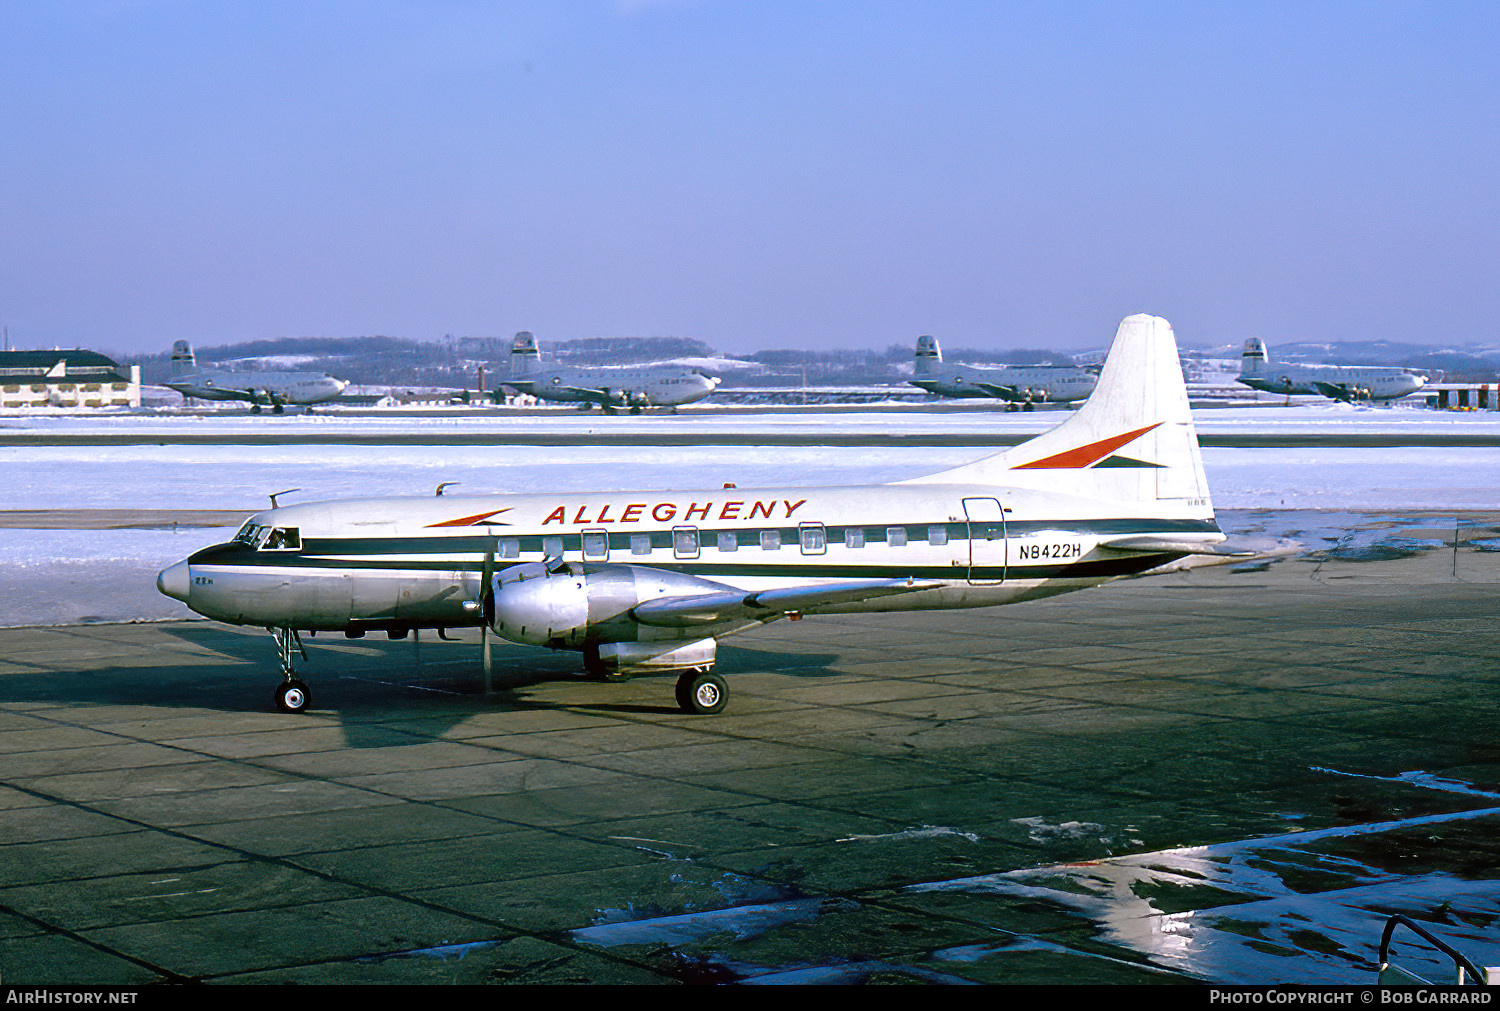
{"x":1084,"y":456}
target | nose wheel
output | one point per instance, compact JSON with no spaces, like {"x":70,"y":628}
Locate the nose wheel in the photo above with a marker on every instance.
{"x":292,"y":696}
{"x":702,"y":692}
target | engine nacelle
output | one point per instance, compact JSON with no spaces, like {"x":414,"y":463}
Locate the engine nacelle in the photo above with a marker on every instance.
{"x":535,"y":606}
{"x":573,"y":605}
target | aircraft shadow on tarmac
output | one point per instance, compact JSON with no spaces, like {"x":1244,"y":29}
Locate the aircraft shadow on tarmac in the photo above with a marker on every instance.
{"x":362,"y":683}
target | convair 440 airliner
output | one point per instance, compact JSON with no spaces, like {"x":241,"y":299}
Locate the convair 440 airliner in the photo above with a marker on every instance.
{"x":649,"y":581}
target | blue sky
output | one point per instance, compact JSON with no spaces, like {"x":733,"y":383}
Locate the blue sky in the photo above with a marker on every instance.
{"x":753,"y":174}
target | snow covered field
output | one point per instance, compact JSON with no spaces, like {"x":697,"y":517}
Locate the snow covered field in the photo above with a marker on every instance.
{"x":1305,"y":417}
{"x":62,"y":576}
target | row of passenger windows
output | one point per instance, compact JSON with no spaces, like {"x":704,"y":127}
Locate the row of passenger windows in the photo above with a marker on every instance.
{"x":687,"y":542}
{"x":682,"y":541}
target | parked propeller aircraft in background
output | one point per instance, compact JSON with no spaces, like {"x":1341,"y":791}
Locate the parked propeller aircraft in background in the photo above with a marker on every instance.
{"x":633,"y":387}
{"x":276,"y":389}
{"x":1349,"y":383}
{"x":649,"y":581}
{"x":1022,"y":385}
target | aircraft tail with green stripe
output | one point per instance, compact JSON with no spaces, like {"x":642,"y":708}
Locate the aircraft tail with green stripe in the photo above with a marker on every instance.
{"x":1133,"y":441}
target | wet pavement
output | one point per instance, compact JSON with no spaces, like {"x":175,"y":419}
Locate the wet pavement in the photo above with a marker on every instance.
{"x":1207,"y":775}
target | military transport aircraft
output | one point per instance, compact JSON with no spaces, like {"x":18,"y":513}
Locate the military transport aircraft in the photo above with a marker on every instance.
{"x":635,"y":388}
{"x":1020,"y":385}
{"x":649,"y":581}
{"x":1348,"y":383}
{"x":276,"y":389}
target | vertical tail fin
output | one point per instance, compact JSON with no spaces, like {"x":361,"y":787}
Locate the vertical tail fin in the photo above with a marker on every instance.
{"x":182,"y":358}
{"x":1133,"y":440}
{"x":929,"y":356}
{"x":1255,"y":357}
{"x":524,"y":356}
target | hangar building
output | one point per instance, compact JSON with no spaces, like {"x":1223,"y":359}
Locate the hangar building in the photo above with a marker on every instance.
{"x":72,"y":378}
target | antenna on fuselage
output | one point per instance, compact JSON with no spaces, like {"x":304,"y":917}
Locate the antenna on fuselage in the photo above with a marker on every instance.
{"x":284,"y":491}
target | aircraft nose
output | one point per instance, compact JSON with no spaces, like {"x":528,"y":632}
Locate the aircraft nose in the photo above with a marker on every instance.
{"x":174,"y":581}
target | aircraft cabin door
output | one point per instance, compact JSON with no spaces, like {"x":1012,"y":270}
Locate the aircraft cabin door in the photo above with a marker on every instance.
{"x":987,"y":552}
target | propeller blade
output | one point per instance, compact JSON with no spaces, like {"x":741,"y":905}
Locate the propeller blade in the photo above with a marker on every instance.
{"x":487,"y":611}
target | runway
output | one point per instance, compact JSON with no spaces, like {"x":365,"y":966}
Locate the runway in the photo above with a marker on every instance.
{"x":1211,"y":775}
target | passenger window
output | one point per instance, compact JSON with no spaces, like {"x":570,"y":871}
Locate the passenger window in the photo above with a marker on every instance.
{"x":596,"y":545}
{"x":895,"y":536}
{"x":813,"y":537}
{"x":854,"y":537}
{"x":728,"y":541}
{"x":640,"y":544}
{"x":685,"y":542}
{"x":552,"y":547}
{"x":510,"y":547}
{"x":937,"y":534}
{"x":770,"y":540}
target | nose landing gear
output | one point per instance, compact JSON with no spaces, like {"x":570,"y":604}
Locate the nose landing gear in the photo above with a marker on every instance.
{"x":292,"y":695}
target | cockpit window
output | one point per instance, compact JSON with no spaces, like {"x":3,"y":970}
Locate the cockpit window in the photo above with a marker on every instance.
{"x":283,"y":539}
{"x":249,"y":533}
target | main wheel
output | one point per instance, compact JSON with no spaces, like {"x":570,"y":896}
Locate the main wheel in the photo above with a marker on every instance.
{"x":292,"y":696}
{"x":702,"y":692}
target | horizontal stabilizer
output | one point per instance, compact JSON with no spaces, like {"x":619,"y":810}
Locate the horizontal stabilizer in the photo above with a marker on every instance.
{"x":737,"y":605}
{"x":1159,"y":545}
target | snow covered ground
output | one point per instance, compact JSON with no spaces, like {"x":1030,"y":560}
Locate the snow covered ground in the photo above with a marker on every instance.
{"x":62,"y":576}
{"x":1306,"y":416}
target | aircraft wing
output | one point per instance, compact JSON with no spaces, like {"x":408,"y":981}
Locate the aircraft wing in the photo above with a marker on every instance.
{"x":1003,"y":392}
{"x":1333,"y":391}
{"x":600,"y":396}
{"x":730,"y":605}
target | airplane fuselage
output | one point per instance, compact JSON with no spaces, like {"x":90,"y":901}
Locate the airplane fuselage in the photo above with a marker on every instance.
{"x":617,"y":387}
{"x":274,"y":388}
{"x":1342,"y":382}
{"x":1045,"y":384}
{"x":394,"y":564}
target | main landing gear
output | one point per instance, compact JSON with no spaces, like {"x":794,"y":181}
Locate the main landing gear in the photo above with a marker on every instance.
{"x":699,"y":690}
{"x":702,"y":691}
{"x":292,"y":695}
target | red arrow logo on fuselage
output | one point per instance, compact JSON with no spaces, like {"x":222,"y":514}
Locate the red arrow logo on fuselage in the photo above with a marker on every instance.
{"x":468,"y":521}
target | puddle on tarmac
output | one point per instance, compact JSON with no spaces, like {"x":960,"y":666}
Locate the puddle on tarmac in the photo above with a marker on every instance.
{"x":1299,"y":907}
{"x":1303,"y":907}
